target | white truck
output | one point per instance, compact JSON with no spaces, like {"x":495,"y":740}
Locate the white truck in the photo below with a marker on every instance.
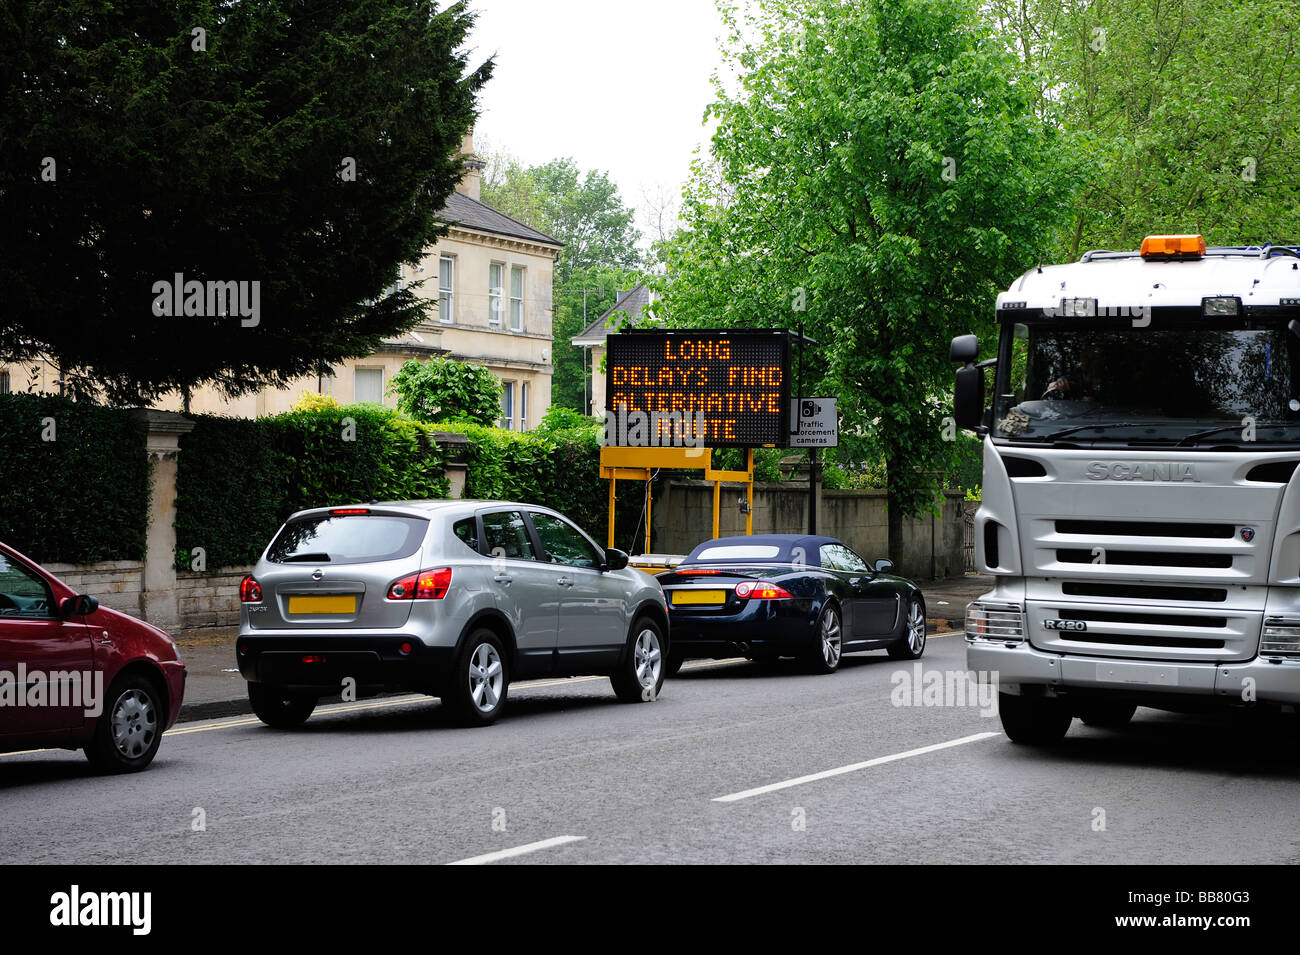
{"x":1141,"y":505}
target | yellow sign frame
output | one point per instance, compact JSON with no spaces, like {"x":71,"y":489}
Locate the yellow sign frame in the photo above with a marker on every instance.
{"x":639,"y":464}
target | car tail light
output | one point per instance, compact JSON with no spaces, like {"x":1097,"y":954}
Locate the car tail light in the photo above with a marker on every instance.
{"x":350,"y":510}
{"x":250,"y":591}
{"x":758,"y":590}
{"x":426,"y":585}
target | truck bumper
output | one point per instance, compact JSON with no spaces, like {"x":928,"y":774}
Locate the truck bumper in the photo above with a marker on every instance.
{"x":1253,"y":681}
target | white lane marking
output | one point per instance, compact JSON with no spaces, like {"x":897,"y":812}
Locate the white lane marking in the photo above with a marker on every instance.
{"x":518,"y":850}
{"x":878,"y":761}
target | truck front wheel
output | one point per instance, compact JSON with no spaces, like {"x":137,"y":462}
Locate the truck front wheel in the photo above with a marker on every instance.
{"x":1033,"y":720}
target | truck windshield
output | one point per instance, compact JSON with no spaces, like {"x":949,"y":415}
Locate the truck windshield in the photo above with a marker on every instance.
{"x":1190,"y":383}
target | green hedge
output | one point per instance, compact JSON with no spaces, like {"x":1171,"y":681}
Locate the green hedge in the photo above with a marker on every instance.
{"x":238,"y":479}
{"x":80,"y":498}
{"x":557,"y":468}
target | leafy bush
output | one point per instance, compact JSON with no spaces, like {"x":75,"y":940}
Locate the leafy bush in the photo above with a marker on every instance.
{"x":442,"y":389}
{"x":559,"y":418}
{"x":314,"y":401}
{"x":80,"y":498}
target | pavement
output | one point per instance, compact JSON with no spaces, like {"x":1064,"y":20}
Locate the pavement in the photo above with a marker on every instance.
{"x":215,"y":689}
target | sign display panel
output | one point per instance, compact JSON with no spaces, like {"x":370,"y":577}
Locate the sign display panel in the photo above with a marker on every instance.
{"x":717,"y":388}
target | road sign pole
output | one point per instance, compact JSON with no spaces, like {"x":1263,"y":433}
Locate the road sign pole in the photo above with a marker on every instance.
{"x":814,"y":479}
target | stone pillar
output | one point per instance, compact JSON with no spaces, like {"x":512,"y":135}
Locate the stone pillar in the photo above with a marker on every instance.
{"x":158,"y":603}
{"x":456,"y":446}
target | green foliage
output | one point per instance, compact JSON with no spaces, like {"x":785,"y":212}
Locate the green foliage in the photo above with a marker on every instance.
{"x":314,"y":401}
{"x":238,"y":479}
{"x":443,"y":389}
{"x":767,"y":462}
{"x":879,"y":175}
{"x":1188,"y":112}
{"x":80,"y":498}
{"x":227,"y":163}
{"x":560,"y":418}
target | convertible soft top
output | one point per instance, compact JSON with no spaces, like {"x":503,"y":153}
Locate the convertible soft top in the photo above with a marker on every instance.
{"x":761,"y":549}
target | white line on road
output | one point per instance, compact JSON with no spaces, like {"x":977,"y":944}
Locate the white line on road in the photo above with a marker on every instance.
{"x":518,"y":850}
{"x":879,"y":760}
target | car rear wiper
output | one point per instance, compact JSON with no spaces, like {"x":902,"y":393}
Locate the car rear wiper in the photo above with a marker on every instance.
{"x":308,"y":558}
{"x":1100,"y":427}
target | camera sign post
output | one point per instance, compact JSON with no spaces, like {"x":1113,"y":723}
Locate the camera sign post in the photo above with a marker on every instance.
{"x":814,"y":423}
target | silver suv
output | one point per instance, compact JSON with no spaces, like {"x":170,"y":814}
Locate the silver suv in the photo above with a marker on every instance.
{"x":451,"y":598}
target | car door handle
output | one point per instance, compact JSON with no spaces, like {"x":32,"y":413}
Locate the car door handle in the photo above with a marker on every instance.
{"x":565,"y":582}
{"x":503,"y":579}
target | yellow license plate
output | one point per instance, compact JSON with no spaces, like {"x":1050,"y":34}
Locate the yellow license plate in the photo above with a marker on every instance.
{"x":699,"y":597}
{"x":346,"y":604}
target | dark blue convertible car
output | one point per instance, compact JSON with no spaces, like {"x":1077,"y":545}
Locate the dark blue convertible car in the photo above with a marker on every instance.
{"x":774,"y":595}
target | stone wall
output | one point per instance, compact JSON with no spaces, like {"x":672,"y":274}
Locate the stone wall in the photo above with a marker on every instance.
{"x":209,"y":599}
{"x":682,"y":515}
{"x":117,"y":583}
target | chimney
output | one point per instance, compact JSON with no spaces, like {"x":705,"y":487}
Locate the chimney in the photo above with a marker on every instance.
{"x":471,"y":181}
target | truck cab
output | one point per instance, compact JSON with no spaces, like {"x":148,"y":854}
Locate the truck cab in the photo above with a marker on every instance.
{"x":1141,"y":502}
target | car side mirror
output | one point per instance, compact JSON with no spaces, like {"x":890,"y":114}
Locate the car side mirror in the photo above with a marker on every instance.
{"x":884,"y":565}
{"x":615,"y":559}
{"x":81,"y":605}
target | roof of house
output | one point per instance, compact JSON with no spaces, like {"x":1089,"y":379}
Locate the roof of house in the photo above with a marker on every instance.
{"x":633,"y":302}
{"x":472,"y":214}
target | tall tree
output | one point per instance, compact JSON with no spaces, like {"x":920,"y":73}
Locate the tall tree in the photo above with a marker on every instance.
{"x":1188,"y":109}
{"x":302,"y":145}
{"x":878,"y":174}
{"x":600,"y":255}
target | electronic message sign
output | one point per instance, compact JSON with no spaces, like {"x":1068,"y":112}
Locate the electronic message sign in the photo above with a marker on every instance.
{"x":716,"y":388}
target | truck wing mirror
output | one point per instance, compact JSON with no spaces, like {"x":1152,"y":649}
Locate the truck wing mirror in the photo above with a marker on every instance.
{"x":968,"y":398}
{"x":964,"y":349}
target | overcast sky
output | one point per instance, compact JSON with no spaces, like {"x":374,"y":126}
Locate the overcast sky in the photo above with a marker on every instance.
{"x":617,"y":85}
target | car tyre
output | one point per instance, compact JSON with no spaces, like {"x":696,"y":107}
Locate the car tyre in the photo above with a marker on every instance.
{"x":278,"y":708}
{"x":130,"y":728}
{"x":1108,"y":714}
{"x":911,"y":643}
{"x":826,"y":655}
{"x":476,"y":691}
{"x":640,"y":674}
{"x":1032,"y":720}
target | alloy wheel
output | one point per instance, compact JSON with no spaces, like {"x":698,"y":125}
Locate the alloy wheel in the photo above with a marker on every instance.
{"x":486,"y":677}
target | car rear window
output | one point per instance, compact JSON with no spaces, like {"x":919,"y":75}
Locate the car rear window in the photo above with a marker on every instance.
{"x":739,"y":552}
{"x":347,"y":539}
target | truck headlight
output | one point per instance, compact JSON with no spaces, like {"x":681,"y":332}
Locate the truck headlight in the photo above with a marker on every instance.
{"x":1281,"y":636}
{"x":995,"y":621}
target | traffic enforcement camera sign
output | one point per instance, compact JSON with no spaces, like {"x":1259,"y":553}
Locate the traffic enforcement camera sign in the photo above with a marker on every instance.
{"x":818,"y":423}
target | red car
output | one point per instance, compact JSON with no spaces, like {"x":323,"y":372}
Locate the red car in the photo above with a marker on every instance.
{"x":75,"y":675}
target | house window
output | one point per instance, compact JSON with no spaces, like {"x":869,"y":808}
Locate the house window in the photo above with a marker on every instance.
{"x":447,"y":289}
{"x":369,"y":385}
{"x":507,"y":405}
{"x":4,"y":382}
{"x":517,"y":299}
{"x":495,"y":271}
{"x":523,"y":406}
